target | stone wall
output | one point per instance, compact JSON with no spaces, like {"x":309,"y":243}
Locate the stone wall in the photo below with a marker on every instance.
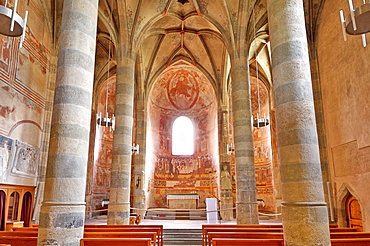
{"x":344,"y":78}
{"x":24,"y":74}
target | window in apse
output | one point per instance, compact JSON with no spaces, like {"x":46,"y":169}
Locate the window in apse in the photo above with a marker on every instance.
{"x":182,"y":136}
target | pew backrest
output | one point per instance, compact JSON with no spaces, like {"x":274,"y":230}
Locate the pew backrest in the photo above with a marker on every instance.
{"x":337,"y":235}
{"x":142,"y":234}
{"x":18,"y":241}
{"x":350,"y":241}
{"x":245,"y":242}
{"x":115,"y":241}
{"x":157,"y":230}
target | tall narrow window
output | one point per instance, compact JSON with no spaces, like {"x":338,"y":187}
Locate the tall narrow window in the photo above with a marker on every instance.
{"x":182,"y":136}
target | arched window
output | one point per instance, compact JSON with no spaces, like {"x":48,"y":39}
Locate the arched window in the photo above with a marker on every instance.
{"x":182,"y":136}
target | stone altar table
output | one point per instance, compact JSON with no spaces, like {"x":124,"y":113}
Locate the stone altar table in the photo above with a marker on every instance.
{"x":182,"y":201}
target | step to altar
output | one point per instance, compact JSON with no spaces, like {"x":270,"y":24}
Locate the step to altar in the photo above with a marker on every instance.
{"x":182,"y":237}
{"x":176,"y":214}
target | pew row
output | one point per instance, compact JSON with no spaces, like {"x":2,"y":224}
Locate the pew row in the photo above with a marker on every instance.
{"x":131,"y":229}
{"x":18,"y":241}
{"x":280,"y":242}
{"x":259,"y":235}
{"x":141,"y":234}
{"x":156,"y":230}
{"x":115,"y":241}
{"x":254,"y":242}
{"x":248,"y":230}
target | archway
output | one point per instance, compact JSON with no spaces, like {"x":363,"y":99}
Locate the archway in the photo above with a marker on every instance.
{"x":353,"y":212}
{"x":26,"y":209}
{"x":182,"y":90}
{"x":2,"y":210}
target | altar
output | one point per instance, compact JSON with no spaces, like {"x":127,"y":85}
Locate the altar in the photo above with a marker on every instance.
{"x":183,"y":201}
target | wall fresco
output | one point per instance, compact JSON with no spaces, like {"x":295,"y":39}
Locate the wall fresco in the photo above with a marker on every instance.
{"x":5,"y":153}
{"x":183,"y":91}
{"x":25,"y":160}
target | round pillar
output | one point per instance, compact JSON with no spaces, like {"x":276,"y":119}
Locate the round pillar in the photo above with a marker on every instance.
{"x":62,"y":212}
{"x":305,"y":217}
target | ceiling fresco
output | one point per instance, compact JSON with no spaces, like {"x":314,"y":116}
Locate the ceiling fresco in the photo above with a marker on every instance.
{"x":182,"y":88}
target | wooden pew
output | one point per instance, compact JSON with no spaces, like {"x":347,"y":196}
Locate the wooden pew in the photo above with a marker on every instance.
{"x":207,"y":229}
{"x":351,"y":242}
{"x":254,"y":242}
{"x":157,"y":228}
{"x":249,"y":235}
{"x":338,"y":235}
{"x":18,"y":233}
{"x":115,"y":241}
{"x":280,"y":242}
{"x":26,"y":229}
{"x":141,"y":234}
{"x":18,"y":241}
{"x":259,"y":235}
{"x":133,"y":228}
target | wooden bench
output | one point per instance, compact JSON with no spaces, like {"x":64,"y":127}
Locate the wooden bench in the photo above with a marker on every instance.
{"x":337,"y":235}
{"x":26,"y":229}
{"x":18,"y":241}
{"x":18,"y":233}
{"x":254,"y":242}
{"x":158,"y":229}
{"x":249,"y":229}
{"x":259,"y":235}
{"x":141,"y":234}
{"x":351,"y":242}
{"x":206,"y":231}
{"x":115,"y":241}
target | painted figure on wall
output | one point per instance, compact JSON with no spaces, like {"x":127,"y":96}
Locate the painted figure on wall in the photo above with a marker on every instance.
{"x":4,"y":158}
{"x":225,"y":178}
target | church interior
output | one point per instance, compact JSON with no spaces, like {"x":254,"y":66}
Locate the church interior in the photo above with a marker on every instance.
{"x":128,"y":106}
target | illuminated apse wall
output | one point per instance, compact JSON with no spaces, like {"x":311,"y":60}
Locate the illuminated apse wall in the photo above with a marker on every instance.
{"x":182,"y":91}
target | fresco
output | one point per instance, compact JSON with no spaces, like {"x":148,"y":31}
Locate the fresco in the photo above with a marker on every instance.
{"x":183,"y":91}
{"x":262,"y":140}
{"x":183,"y":171}
{"x":5,"y":148}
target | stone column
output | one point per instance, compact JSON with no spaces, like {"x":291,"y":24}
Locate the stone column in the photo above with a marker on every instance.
{"x":119,"y":196}
{"x":246,"y":193}
{"x":139,"y":168}
{"x":305,"y":217}
{"x":226,"y":194}
{"x":63,"y":209}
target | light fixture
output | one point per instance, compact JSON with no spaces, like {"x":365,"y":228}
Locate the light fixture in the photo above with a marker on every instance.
{"x":11,"y":24}
{"x":357,"y":22}
{"x":258,"y":122}
{"x":230,"y":148}
{"x":135,"y":149}
{"x":105,"y":120}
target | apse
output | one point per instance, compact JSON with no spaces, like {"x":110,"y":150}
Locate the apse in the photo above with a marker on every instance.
{"x":182,"y":93}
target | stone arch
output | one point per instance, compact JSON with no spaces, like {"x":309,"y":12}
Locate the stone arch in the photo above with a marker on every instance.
{"x":344,"y":193}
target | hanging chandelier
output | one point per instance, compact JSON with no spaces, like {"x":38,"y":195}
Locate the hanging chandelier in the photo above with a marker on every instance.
{"x":357,"y":22}
{"x":104,"y":119}
{"x":11,"y":24}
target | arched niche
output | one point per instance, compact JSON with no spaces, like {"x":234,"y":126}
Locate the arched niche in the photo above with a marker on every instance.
{"x":182,"y":91}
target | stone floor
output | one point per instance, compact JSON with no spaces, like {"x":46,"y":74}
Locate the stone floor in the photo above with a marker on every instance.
{"x":177,"y":224}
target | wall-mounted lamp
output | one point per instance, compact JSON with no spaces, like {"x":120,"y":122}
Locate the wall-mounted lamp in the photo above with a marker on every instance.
{"x":230,"y":148}
{"x":357,"y":22}
{"x":11,"y":24}
{"x":135,"y":149}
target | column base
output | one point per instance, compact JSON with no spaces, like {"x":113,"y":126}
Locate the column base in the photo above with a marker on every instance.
{"x":61,"y":224}
{"x":118,"y":214}
{"x":247,"y":213}
{"x":305,"y":224}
